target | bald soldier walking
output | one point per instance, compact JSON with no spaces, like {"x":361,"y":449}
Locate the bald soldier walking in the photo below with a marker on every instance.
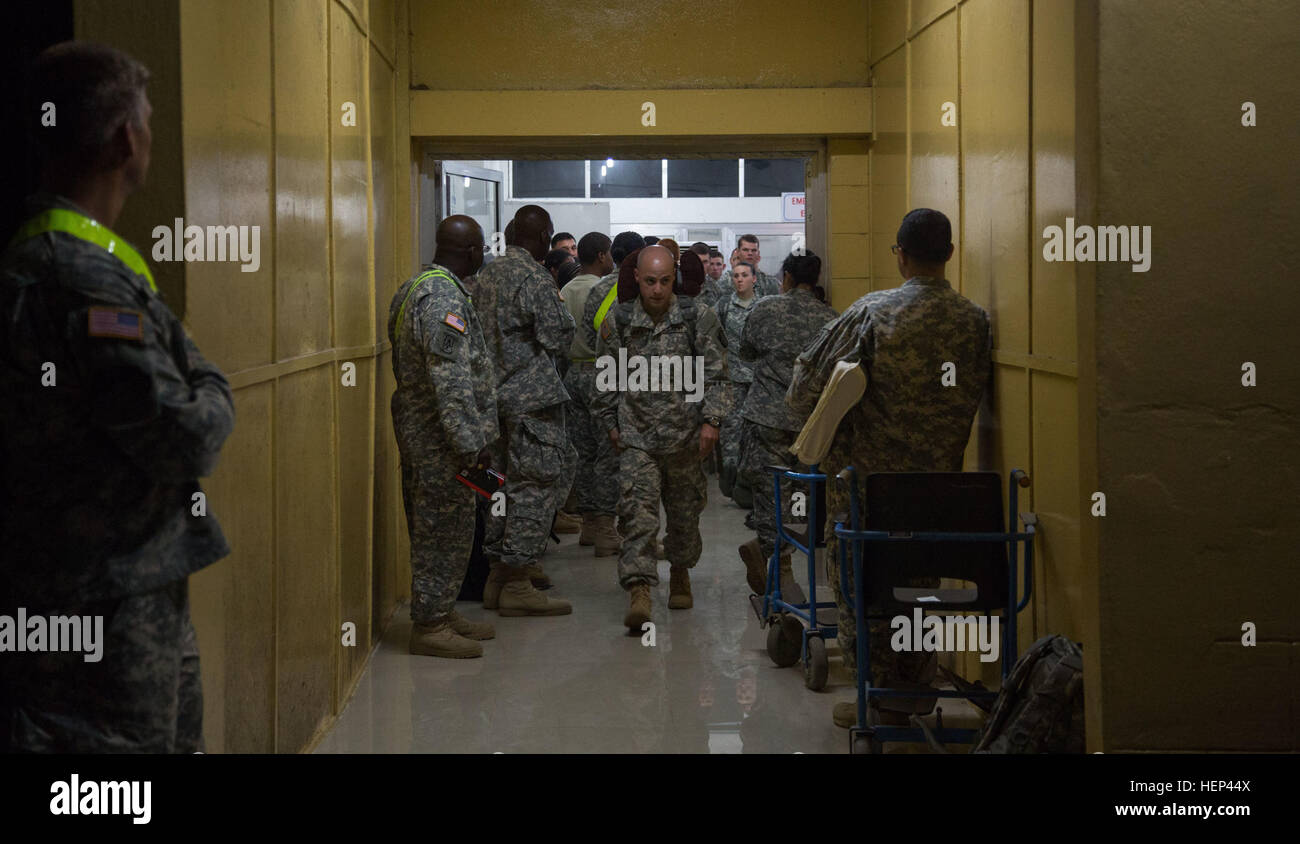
{"x":527,"y":327}
{"x":444,"y":415}
{"x":664,"y":426}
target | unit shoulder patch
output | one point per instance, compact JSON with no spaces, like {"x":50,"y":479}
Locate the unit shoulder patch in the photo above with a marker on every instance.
{"x":116,"y":323}
{"x":446,"y":342}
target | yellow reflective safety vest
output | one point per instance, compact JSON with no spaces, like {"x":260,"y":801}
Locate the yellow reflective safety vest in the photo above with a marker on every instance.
{"x":423,"y":277}
{"x":84,"y":228}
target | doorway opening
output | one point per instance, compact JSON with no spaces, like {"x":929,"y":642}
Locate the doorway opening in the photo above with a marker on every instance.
{"x":689,"y":195}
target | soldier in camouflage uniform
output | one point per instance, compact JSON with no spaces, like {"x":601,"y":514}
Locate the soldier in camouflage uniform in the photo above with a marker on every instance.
{"x":715,"y":267}
{"x":661,"y":434}
{"x":746,"y":250}
{"x":907,"y":421}
{"x":777,"y":331}
{"x":600,"y":302}
{"x":109,"y":415}
{"x":527,"y":327}
{"x":733,"y":311}
{"x":444,"y":415}
{"x":597,"y":493}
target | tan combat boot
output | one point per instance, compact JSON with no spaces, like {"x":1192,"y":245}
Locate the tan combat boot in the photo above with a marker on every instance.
{"x":567,"y":522}
{"x":608,"y":540}
{"x":539,"y":578}
{"x":590,"y":524}
{"x":477,"y":630}
{"x":519,"y":598}
{"x":755,"y":566}
{"x":441,"y":640}
{"x":787,"y":571}
{"x":638,"y":611}
{"x":679,"y":588}
{"x":492,"y":586}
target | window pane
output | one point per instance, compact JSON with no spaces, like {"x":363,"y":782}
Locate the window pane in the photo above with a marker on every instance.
{"x":548,"y":179}
{"x":773,"y":176}
{"x":473,"y":197}
{"x":626,"y":179}
{"x":703,"y":177}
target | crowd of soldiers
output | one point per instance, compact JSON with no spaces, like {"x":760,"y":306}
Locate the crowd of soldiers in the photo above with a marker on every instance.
{"x":496,"y":366}
{"x":109,"y":416}
{"x":516,"y":347}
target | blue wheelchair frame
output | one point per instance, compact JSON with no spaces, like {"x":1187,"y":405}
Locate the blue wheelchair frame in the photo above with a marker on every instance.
{"x":774,"y":605}
{"x":875,"y":735}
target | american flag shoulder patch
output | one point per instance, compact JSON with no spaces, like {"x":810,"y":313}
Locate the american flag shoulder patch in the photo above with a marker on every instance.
{"x":455,"y":322}
{"x":119,"y":323}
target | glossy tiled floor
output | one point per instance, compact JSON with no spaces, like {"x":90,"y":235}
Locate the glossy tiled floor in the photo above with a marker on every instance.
{"x":580,"y":684}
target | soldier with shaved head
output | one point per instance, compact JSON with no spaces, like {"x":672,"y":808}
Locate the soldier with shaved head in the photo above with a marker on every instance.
{"x":664,"y":425}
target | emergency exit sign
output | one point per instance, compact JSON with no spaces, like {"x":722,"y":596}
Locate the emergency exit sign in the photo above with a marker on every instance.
{"x":792,"y":207}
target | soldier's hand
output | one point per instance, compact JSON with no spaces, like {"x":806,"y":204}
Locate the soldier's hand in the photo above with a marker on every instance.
{"x":708,"y":439}
{"x":614,"y":438}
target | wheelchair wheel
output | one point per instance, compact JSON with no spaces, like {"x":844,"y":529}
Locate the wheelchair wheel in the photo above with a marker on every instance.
{"x":874,"y":746}
{"x":784,"y":641}
{"x":815,"y":667}
{"x":864,"y":746}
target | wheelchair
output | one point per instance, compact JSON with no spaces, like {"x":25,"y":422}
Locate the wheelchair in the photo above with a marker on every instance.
{"x":930,"y":524}
{"x":796,"y":630}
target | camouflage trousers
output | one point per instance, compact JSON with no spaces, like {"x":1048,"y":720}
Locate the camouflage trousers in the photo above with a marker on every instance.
{"x":144,"y":695}
{"x":440,"y":523}
{"x":729,"y":439}
{"x":538,"y":463}
{"x":886,"y":664}
{"x":595,"y":479}
{"x":762,"y":446}
{"x":645,"y":480}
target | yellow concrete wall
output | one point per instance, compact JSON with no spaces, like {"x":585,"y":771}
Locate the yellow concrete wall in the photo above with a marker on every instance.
{"x":1201,"y":473}
{"x":591,"y":44}
{"x":1003,"y":167}
{"x":765,"y":75}
{"x":307,"y":488}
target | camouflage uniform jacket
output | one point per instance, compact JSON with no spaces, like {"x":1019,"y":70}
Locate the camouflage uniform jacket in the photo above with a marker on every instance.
{"x":661,"y":421}
{"x":733,"y":313}
{"x":445,"y":401}
{"x":98,"y":471}
{"x":526,"y":327}
{"x":764,"y":285}
{"x":779,"y":328}
{"x":907,"y":421}
{"x":595,"y":297}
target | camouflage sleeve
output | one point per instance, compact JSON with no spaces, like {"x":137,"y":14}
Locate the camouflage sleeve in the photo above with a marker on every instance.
{"x":712,"y":327}
{"x":552,"y":322}
{"x":840,"y":339}
{"x":164,"y":405}
{"x":604,"y":407}
{"x":442,"y":330}
{"x":717,"y":385}
{"x":749,"y":349}
{"x":586,"y":326}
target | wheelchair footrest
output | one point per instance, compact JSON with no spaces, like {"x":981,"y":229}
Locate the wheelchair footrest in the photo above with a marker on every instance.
{"x":905,"y":705}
